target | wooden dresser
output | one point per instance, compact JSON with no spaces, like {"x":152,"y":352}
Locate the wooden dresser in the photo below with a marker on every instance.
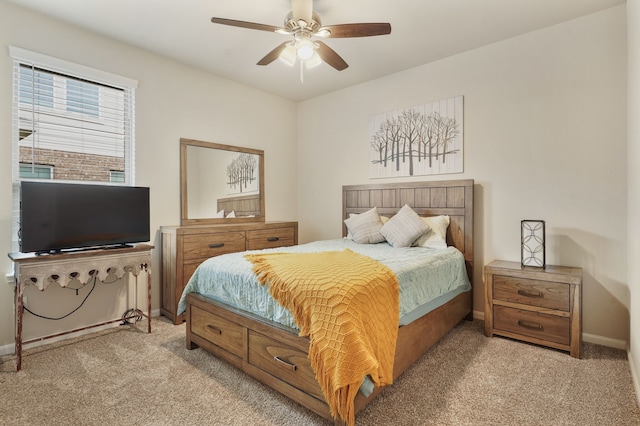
{"x":541,"y":306}
{"x":186,"y":247}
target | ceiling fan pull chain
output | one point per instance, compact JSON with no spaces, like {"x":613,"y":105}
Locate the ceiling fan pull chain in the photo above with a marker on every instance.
{"x":301,"y":71}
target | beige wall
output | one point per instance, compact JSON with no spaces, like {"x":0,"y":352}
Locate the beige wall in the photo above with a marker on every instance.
{"x":172,"y":101}
{"x":633,"y":126}
{"x":544,"y":138}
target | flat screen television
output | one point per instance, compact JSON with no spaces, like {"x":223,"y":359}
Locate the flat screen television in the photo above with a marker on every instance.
{"x":56,"y":217}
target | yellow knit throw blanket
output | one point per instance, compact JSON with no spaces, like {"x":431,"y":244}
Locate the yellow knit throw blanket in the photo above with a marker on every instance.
{"x":348,"y":305}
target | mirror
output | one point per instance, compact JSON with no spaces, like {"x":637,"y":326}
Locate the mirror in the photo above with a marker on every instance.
{"x":220,"y":183}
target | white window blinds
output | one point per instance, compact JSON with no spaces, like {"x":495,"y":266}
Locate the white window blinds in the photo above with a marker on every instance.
{"x":73,"y":119}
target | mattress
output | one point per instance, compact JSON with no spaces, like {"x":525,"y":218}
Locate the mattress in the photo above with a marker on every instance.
{"x":427,"y":278}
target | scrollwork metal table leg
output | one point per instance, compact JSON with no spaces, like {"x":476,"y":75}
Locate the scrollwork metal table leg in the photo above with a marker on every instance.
{"x":19,"y":308}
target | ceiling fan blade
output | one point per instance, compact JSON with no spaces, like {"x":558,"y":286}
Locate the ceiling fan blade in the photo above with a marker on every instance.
{"x":243,"y":24}
{"x":359,"y":30}
{"x":273,"y":55}
{"x":330,"y":56}
{"x":302,"y":9}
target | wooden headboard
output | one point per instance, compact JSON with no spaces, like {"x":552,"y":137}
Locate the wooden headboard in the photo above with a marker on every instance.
{"x":244,"y":205}
{"x":448,"y":197}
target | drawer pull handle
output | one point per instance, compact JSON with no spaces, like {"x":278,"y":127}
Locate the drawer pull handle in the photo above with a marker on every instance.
{"x":213,"y":329}
{"x":530,"y":293}
{"x":531,"y":325}
{"x":280,"y":361}
{"x":273,"y":239}
{"x":216,"y":245}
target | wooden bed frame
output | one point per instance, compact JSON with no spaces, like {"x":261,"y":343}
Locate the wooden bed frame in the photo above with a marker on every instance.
{"x":277,"y":356}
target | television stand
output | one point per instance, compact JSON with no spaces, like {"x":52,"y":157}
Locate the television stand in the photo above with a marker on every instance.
{"x":84,"y":266}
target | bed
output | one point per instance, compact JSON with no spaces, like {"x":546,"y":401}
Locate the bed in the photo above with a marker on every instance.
{"x":271,"y":351}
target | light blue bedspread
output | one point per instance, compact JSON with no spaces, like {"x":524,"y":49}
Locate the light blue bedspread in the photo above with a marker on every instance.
{"x":427,"y":278}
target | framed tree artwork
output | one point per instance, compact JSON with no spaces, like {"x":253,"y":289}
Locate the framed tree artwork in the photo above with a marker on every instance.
{"x":421,"y":140}
{"x":242,"y":173}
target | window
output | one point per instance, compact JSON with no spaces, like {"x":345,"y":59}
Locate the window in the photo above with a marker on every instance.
{"x":70,"y":123}
{"x":35,"y":87}
{"x":35,"y":171}
{"x":83,"y":97}
{"x":117,"y":176}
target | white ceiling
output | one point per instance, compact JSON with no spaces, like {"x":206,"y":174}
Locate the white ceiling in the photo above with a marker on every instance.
{"x":422,"y":31}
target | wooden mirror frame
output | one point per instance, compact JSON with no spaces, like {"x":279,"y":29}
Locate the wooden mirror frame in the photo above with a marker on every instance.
{"x":184,"y":212}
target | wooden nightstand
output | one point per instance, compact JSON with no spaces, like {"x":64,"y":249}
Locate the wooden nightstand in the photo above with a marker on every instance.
{"x":541,"y":306}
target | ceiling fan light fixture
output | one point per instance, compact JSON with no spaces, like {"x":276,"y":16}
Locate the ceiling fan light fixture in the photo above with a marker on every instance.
{"x":289,"y":55}
{"x":305,"y":48}
{"x":303,"y":23}
{"x":313,"y":61}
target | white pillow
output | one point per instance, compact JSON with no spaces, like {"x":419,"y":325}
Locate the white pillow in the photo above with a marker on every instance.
{"x":232,"y":214}
{"x":437,"y":236}
{"x":365,"y":227}
{"x":220,"y":214}
{"x":404,"y":228}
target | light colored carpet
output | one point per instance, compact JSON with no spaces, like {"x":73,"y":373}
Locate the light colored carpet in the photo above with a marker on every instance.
{"x":127,"y":377}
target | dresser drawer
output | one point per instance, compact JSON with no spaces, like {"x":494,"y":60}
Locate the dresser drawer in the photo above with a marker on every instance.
{"x":219,"y":331}
{"x":286,"y":363}
{"x":268,"y":238}
{"x":532,"y":292}
{"x":546,"y":327}
{"x":203,"y":246}
{"x":187,"y":271}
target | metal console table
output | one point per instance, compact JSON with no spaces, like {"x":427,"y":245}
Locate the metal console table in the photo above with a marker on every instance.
{"x":84,"y":266}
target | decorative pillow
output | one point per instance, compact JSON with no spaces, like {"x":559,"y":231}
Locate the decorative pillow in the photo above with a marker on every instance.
{"x":232,"y":214}
{"x":404,"y":228}
{"x":220,"y":214}
{"x":384,"y":220}
{"x":437,"y":236}
{"x":364,"y":228}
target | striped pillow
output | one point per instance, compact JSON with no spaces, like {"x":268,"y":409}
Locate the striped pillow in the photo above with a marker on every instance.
{"x":404,"y":228}
{"x":365,"y":227}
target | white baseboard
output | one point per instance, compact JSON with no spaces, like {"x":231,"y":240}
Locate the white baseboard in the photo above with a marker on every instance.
{"x":604,"y":341}
{"x":634,"y":376}
{"x":11,"y":348}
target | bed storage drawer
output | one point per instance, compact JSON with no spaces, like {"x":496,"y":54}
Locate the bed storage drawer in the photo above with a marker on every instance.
{"x":269,"y":238}
{"x":531,"y":292}
{"x":286,"y":363}
{"x":219,"y":331}
{"x":203,"y":246}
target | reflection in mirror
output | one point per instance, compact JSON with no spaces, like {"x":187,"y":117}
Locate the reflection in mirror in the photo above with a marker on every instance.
{"x":220,"y":183}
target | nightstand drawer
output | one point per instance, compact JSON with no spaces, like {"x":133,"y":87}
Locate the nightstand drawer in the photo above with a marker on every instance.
{"x":532,"y":292}
{"x":546,"y":327}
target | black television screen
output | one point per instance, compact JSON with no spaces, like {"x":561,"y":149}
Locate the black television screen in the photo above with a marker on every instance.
{"x":59,"y":216}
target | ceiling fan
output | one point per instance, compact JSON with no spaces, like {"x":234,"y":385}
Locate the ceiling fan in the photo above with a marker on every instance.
{"x":304,"y":24}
